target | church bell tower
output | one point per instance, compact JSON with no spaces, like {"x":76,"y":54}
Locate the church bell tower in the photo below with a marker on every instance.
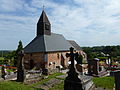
{"x":43,"y":25}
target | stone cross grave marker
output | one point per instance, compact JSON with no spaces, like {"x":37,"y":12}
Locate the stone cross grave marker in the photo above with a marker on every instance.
{"x":72,"y":81}
{"x":3,"y":72}
{"x":117,"y":80}
{"x":20,"y":67}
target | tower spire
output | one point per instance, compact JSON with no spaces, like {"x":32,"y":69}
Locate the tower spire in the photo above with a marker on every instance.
{"x":43,"y":25}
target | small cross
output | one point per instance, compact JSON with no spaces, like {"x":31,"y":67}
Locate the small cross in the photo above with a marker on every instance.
{"x":43,"y":7}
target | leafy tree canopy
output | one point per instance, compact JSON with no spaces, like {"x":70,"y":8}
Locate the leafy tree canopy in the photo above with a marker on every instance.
{"x":101,"y":51}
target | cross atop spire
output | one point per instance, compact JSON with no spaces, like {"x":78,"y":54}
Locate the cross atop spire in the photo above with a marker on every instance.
{"x":43,"y":7}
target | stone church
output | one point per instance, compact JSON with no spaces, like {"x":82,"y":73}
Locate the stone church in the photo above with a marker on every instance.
{"x":47,"y":50}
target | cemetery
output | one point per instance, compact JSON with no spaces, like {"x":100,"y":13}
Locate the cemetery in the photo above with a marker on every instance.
{"x":68,"y":79}
{"x":50,"y":62}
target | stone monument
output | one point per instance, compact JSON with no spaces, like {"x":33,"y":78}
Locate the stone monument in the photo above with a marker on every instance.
{"x":72,"y":81}
{"x":20,"y":67}
{"x":3,"y":72}
{"x":93,"y":67}
{"x":117,"y":80}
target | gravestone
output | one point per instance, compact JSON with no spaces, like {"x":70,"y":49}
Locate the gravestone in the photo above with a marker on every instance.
{"x":72,"y":81}
{"x":3,"y":72}
{"x":95,"y":69}
{"x":117,"y":80}
{"x":20,"y":67}
{"x":93,"y":66}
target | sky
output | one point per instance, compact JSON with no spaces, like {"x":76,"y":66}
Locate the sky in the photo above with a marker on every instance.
{"x":88,"y":22}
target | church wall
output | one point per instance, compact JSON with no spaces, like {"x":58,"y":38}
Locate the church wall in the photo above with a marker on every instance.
{"x":38,"y":60}
{"x":55,"y":59}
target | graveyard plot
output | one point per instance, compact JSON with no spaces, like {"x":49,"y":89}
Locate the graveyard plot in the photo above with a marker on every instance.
{"x":51,"y":82}
{"x":47,"y":85}
{"x":46,"y":79}
{"x":58,"y":86}
{"x":104,"y":82}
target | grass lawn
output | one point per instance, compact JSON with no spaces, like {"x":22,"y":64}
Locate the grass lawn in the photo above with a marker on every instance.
{"x":12,"y":85}
{"x":105,"y":82}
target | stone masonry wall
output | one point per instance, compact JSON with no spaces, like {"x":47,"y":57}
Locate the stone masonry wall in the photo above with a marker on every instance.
{"x":38,"y":60}
{"x":54,"y":59}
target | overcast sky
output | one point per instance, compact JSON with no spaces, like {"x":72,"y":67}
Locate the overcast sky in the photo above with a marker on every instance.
{"x":88,"y":22}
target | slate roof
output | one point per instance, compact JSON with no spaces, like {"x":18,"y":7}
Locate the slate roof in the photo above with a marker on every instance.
{"x":48,"y":43}
{"x":45,"y":41}
{"x":75,"y":45}
{"x":43,"y":17}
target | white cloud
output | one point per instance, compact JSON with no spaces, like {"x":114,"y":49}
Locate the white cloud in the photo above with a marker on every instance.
{"x":89,"y":22}
{"x":11,"y":5}
{"x":94,"y":17}
{"x":46,"y":3}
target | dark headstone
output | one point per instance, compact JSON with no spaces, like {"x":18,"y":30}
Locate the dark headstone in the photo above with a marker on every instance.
{"x":111,"y":73}
{"x":3,"y":72}
{"x":93,"y":67}
{"x":20,"y":67}
{"x":117,"y":80}
{"x":72,"y":81}
{"x":45,"y":71}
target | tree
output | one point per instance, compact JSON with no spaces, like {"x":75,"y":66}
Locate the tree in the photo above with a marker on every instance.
{"x":10,"y":56}
{"x":20,"y":47}
{"x":13,"y":56}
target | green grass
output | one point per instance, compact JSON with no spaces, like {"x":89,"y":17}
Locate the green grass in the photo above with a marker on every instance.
{"x":105,"y":82}
{"x":9,"y":70}
{"x":58,"y":86}
{"x":1,"y":58}
{"x":47,"y":79}
{"x":12,"y":85}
